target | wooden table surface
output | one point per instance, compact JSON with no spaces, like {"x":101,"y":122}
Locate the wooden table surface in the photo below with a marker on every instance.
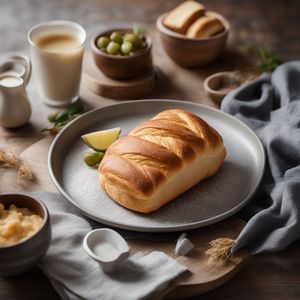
{"x":273,"y":24}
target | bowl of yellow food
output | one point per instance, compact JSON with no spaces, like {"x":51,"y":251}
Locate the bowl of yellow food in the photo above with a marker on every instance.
{"x":25,"y":233}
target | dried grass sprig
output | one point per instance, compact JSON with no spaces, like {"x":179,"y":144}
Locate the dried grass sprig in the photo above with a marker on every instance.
{"x":220,"y":250}
{"x":24,"y":172}
{"x":8,"y":160}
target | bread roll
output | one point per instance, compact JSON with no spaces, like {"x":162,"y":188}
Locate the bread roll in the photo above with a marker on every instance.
{"x":181,"y":17}
{"x":205,"y":27}
{"x":160,"y":159}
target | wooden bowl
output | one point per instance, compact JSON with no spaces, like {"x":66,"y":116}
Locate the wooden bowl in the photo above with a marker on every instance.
{"x":189,"y":52}
{"x":218,"y":85}
{"x":21,"y":257}
{"x":122,"y":67}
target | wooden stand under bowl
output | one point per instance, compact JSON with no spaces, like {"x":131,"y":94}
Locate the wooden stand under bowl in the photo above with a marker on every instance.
{"x":104,"y":86}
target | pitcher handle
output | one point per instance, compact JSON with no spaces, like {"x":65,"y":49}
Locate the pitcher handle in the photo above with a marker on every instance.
{"x":24,"y":61}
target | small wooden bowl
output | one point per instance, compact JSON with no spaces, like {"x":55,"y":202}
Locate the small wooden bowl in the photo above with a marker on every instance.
{"x":218,"y":85}
{"x":122,"y":67}
{"x":21,"y":257}
{"x":189,"y":52}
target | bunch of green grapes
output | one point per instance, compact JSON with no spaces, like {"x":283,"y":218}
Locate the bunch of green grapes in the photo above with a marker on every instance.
{"x":121,"y":44}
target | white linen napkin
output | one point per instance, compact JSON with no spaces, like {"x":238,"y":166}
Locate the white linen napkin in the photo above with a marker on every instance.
{"x":75,"y":275}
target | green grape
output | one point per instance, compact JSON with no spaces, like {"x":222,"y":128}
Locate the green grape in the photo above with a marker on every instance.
{"x":131,"y":38}
{"x":113,"y":48}
{"x":126,"y":48}
{"x":116,"y":37}
{"x":102,"y":42}
{"x":52,"y":117}
{"x":92,"y":159}
{"x":101,"y":155}
{"x":138,"y":44}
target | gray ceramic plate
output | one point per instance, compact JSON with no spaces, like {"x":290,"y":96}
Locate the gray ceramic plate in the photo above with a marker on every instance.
{"x":208,"y":202}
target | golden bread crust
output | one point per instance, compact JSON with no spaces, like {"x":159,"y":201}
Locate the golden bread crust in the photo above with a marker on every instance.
{"x":205,"y":27}
{"x":159,"y":160}
{"x":181,"y":17}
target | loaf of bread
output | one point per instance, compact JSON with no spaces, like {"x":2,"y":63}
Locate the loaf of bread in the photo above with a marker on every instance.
{"x":205,"y":27}
{"x":160,"y":159}
{"x":180,"y":18}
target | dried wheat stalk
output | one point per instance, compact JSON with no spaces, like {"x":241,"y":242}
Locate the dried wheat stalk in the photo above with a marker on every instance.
{"x":8,"y":160}
{"x":220,"y":249}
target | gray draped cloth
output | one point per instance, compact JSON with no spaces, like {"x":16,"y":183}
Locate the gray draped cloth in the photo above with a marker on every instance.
{"x":271,"y":107}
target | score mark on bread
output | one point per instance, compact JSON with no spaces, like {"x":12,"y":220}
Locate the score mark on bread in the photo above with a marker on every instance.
{"x":160,"y":159}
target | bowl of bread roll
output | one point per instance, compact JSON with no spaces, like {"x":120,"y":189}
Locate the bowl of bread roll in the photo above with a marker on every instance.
{"x":192,"y":36}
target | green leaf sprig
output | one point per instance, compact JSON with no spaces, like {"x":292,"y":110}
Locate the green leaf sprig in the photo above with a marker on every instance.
{"x":267,"y":61}
{"x":60,"y":119}
{"x":138,"y":30}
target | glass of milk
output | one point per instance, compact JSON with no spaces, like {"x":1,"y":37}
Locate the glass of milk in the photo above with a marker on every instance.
{"x":56,"y":49}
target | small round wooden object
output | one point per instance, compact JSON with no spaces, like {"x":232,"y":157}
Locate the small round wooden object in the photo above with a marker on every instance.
{"x":107,"y":87}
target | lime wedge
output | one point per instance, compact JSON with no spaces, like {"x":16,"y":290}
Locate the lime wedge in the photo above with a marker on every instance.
{"x":101,"y":140}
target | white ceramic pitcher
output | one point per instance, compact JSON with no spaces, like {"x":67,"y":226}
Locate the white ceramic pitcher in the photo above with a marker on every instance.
{"x":15,"y":108}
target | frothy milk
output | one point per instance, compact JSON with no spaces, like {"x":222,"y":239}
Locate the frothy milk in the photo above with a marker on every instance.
{"x":56,"y":53}
{"x":57,"y":42}
{"x":10,"y":81}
